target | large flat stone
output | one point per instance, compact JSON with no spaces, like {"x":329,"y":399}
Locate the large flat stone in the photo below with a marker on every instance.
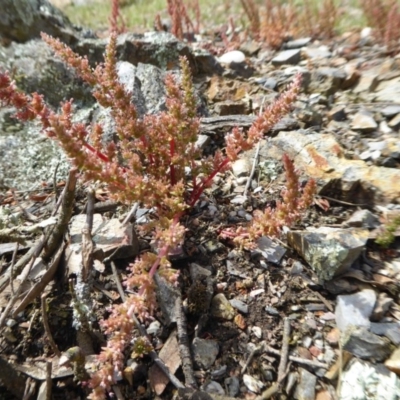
{"x":321,"y":157}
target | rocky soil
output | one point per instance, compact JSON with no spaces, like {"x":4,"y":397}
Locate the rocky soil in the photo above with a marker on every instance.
{"x":314,"y":314}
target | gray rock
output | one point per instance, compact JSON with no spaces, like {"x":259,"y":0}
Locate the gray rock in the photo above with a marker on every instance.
{"x":23,"y":20}
{"x":380,"y":145}
{"x":234,"y":56}
{"x":128,"y":76}
{"x":219,"y":372}
{"x":305,"y":389}
{"x":269,"y":249}
{"x":389,"y":329}
{"x":326,"y":81}
{"x":108,"y":236}
{"x":321,"y":156}
{"x":382,"y":306}
{"x":362,"y":219}
{"x":329,"y":251}
{"x":395,"y":123}
{"x":287,"y":57}
{"x":253,"y":384}
{"x":206,"y":63}
{"x":27,"y":158}
{"x":154,"y":328}
{"x":204,"y":352}
{"x":391,"y":110}
{"x":338,"y":113}
{"x":166,"y":298}
{"x":239,"y":305}
{"x":292,"y":379}
{"x":37,"y":69}
{"x":355,"y":309}
{"x":202,"y":141}
{"x":367,"y":83}
{"x":152,"y":87}
{"x":316,"y":53}
{"x":198,"y":272}
{"x":272,"y":311}
{"x":214,"y":388}
{"x":364,"y":344}
{"x":388,"y":91}
{"x":236,"y":271}
{"x":363,"y":381}
{"x":298,"y":43}
{"x":363,"y":122}
{"x":161,"y":49}
{"x":233,"y":385}
{"x":221,"y":308}
{"x":257,"y":331}
{"x":241,"y":167}
{"x":384,"y":127}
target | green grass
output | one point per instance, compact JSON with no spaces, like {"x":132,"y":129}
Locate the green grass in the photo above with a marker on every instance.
{"x":139,"y":15}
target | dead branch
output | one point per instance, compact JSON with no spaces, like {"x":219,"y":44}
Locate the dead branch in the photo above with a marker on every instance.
{"x":47,"y":329}
{"x":183,"y":340}
{"x":285,"y":349}
{"x":64,"y":216}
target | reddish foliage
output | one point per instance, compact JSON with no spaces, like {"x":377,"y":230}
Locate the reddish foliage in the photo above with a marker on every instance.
{"x":384,"y":17}
{"x":276,"y":21}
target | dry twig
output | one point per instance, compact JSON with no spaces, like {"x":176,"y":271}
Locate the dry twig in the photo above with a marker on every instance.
{"x":285,"y":349}
{"x":87,"y":242}
{"x":47,"y":329}
{"x":183,"y":340}
{"x":64,"y":216}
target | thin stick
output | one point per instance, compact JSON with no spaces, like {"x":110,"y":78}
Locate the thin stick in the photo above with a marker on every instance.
{"x":90,"y":209}
{"x":55,"y":184}
{"x":30,"y":389}
{"x":325,"y":301}
{"x":184,"y":349}
{"x":157,"y":360}
{"x":47,"y":327}
{"x":49,"y":383}
{"x":101,"y":207}
{"x":33,"y":252}
{"x":343,"y":202}
{"x":64,"y":216}
{"x":274,"y":389}
{"x":253,"y":168}
{"x":14,"y":256}
{"x":13,"y":299}
{"x":285,"y":349}
{"x":315,"y":364}
{"x":117,"y":281}
{"x":28,"y":216}
{"x":87,"y":241}
{"x":130,"y":215}
{"x":251,"y":355}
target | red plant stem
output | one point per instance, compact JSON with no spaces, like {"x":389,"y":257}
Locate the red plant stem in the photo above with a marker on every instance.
{"x":97,"y":152}
{"x":194,"y":181}
{"x":200,"y":189}
{"x":172,"y":167}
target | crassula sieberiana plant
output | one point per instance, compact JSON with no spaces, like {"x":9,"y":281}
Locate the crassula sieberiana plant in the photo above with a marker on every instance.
{"x":155,"y":162}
